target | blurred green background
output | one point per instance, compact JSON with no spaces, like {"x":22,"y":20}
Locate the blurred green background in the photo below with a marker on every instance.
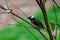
{"x":20,"y":33}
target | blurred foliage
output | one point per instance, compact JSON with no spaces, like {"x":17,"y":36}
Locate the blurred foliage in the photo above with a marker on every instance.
{"x":45,"y":0}
{"x":52,"y":26}
{"x":58,"y":26}
{"x":20,"y":33}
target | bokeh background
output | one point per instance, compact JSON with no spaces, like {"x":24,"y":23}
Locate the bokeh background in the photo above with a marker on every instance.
{"x":29,"y":7}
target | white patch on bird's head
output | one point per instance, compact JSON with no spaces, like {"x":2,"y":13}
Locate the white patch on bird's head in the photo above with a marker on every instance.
{"x":32,"y":17}
{"x":8,"y":10}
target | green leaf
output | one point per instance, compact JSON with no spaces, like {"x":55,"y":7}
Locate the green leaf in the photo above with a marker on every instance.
{"x":45,"y":1}
{"x":58,"y":26}
{"x":52,"y":26}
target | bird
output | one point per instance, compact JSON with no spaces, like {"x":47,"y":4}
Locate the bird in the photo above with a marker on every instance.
{"x":36,"y":22}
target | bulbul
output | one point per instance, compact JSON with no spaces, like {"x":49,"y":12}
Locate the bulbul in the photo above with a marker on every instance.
{"x":36,"y":22}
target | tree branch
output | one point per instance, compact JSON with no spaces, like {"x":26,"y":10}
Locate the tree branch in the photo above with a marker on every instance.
{"x":56,"y":3}
{"x":42,"y":6}
{"x":56,"y":21}
{"x":42,"y":34}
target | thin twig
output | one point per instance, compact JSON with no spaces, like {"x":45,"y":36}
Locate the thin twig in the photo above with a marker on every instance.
{"x":56,"y":3}
{"x":7,"y":4}
{"x":56,"y":21}
{"x":46,"y":19}
{"x":39,"y":4}
{"x":2,"y":7}
{"x":22,"y":19}
{"x":31,"y":32}
{"x":42,"y":34}
{"x":17,"y":8}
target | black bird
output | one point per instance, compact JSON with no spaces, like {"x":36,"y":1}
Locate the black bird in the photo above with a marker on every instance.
{"x":36,"y":22}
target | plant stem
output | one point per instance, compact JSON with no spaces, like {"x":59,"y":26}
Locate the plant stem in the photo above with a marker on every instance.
{"x":30,"y":32}
{"x":56,"y":21}
{"x":42,"y":34}
{"x":42,"y":6}
{"x":56,"y":3}
{"x":2,"y":7}
{"x":18,"y":8}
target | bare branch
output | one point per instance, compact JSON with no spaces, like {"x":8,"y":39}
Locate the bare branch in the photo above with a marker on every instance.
{"x":46,"y":19}
{"x":17,"y":8}
{"x":56,"y":21}
{"x":56,"y":3}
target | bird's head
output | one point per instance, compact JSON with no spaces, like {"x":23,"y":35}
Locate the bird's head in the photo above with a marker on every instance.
{"x":31,"y":17}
